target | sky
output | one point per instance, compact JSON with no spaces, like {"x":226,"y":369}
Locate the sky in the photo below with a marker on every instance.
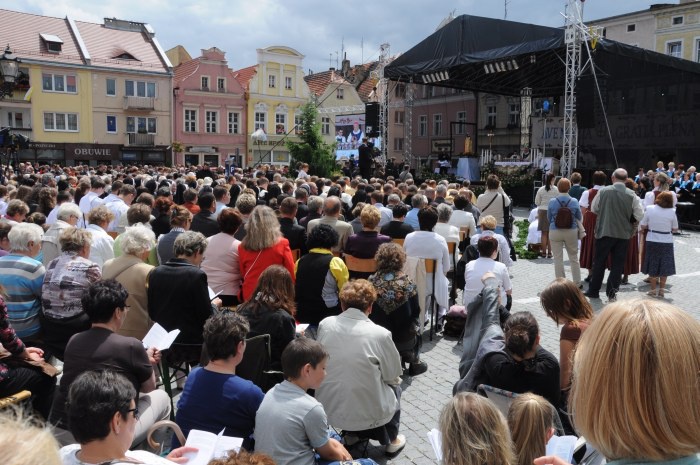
{"x":318,"y":29}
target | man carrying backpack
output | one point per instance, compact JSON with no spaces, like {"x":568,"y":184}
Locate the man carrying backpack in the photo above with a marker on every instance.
{"x":562,"y":213}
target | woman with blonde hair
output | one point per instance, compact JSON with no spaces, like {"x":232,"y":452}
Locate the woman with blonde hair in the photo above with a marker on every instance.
{"x":635,"y":390}
{"x":531,"y":423}
{"x":262,"y":246}
{"x":25,"y":441}
{"x":474,"y":432}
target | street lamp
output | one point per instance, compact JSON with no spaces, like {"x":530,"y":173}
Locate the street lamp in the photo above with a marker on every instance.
{"x":9,"y":72}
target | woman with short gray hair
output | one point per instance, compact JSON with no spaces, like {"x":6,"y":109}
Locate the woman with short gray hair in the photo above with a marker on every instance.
{"x":178,"y":297}
{"x":130,"y":270}
{"x":67,"y":278}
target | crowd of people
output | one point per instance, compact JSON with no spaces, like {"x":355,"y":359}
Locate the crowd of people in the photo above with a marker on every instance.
{"x":92,"y":257}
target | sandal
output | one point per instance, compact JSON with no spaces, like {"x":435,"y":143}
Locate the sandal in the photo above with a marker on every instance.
{"x":542,"y":255}
{"x":549,"y":255}
{"x":652,"y":293}
{"x":661,"y":293}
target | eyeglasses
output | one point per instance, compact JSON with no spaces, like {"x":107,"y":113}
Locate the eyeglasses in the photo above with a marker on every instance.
{"x":136,"y":412}
{"x":125,"y":307}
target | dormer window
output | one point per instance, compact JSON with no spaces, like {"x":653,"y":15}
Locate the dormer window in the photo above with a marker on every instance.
{"x":125,"y":56}
{"x":53,"y":43}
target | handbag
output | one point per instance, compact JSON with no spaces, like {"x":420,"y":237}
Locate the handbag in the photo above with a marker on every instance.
{"x":507,"y":218}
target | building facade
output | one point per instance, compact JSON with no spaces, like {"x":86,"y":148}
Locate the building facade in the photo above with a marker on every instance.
{"x":96,"y":93}
{"x":209,"y":117}
{"x":276,"y":91}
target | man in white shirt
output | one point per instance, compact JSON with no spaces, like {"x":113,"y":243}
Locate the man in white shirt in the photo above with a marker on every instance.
{"x":377,"y":198}
{"x":88,"y":202}
{"x":488,"y":249}
{"x":119,"y":206}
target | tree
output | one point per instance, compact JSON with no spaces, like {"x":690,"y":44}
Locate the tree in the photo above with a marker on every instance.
{"x":312,"y":150}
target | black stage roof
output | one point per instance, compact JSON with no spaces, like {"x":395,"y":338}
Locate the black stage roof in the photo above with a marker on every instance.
{"x":503,"y":57}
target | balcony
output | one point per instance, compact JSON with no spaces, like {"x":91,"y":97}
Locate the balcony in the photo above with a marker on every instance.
{"x":139,"y":103}
{"x":142,"y":140}
{"x":27,"y":132}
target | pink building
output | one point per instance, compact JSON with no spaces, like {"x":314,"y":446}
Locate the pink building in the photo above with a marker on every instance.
{"x":209,"y":116}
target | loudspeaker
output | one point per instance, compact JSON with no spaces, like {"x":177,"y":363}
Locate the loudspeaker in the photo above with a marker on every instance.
{"x":372,"y":119}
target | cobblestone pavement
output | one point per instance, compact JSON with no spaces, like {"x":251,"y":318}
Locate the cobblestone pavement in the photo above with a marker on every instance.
{"x":424,"y":395}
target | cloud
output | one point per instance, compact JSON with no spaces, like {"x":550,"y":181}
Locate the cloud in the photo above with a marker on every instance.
{"x":316,"y":28}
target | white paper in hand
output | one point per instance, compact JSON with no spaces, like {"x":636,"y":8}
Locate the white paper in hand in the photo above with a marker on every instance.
{"x":159,"y":338}
{"x":435,"y":440}
{"x":210,"y":446}
{"x":562,"y":447}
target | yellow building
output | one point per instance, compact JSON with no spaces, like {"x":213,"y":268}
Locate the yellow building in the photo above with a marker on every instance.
{"x":95,"y":93}
{"x":275,"y":91}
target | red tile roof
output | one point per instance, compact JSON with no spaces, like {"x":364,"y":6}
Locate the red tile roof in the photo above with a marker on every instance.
{"x":245,"y":75}
{"x":105,"y":44}
{"x":318,"y":82}
{"x":21,"y":31}
{"x":185,"y":70}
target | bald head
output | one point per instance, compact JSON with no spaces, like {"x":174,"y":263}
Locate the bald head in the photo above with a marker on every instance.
{"x":619,"y":174}
{"x":331,"y":207}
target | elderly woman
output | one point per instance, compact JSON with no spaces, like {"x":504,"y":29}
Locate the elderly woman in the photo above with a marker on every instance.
{"x":262,"y":246}
{"x":461,"y":218}
{"x":493,"y":201}
{"x":67,"y":217}
{"x":488,"y":229}
{"x":102,"y":244}
{"x":365,"y":243}
{"x":22,"y":277}
{"x":66,"y":280}
{"x":356,"y":222}
{"x":101,"y":348}
{"x":397,"y":307}
{"x":659,"y":222}
{"x":180,"y":221}
{"x":320,"y":277}
{"x":178,"y":297}
{"x":653,"y":350}
{"x":446,"y":230}
{"x":105,"y":415}
{"x":221,"y":258}
{"x":362,"y":389}
{"x":131,"y":272}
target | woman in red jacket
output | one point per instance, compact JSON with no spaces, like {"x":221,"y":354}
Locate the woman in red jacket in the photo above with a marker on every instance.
{"x":262,"y":246}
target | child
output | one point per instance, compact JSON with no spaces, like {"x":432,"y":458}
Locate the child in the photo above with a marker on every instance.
{"x":290,"y":425}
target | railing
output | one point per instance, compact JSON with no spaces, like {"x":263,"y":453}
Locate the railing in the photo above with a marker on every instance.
{"x":23,"y":131}
{"x":139,"y":103}
{"x":134,"y":138}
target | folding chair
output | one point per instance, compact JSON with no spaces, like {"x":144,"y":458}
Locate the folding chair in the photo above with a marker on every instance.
{"x":398,"y":241}
{"x":451,"y":247}
{"x":360,"y":267}
{"x":174,"y":371}
{"x":430,"y":267}
{"x":113,"y":234}
{"x":296,"y":253}
{"x":255,"y":365}
{"x":19,"y":398}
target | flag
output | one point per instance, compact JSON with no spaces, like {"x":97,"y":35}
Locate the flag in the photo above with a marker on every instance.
{"x":28,"y":95}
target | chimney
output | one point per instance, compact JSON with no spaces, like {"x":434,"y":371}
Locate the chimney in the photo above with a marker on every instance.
{"x":346,"y":65}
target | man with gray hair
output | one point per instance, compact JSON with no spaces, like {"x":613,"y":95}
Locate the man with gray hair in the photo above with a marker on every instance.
{"x":67,"y":217}
{"x":331,"y":214}
{"x":619,"y":212}
{"x":244,"y":204}
{"x":440,"y":194}
{"x":315,"y":203}
{"x":418,"y":202}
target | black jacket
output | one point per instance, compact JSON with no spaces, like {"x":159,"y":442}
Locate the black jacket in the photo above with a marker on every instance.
{"x":295,"y":234}
{"x":206,"y":223}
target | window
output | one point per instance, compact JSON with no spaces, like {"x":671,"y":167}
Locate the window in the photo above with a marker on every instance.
{"x":631,"y":27}
{"x":111,"y":87}
{"x":141,"y":125}
{"x":677,"y":20}
{"x":271,"y":81}
{"x":398,"y":143}
{"x":234,"y":123}
{"x":325,"y":125}
{"x":423,"y":125}
{"x":111,"y":124}
{"x":61,"y":122}
{"x":514,"y":114}
{"x":340,"y":94}
{"x":461,"y":118}
{"x":674,"y":49}
{"x":491,"y":116}
{"x":399,"y":117}
{"x":211,"y":120}
{"x":205,"y":82}
{"x":400,"y":90}
{"x":437,"y":125}
{"x":280,"y":123}
{"x":140,"y":88}
{"x":190,"y":120}
{"x":432,"y":91}
{"x":298,"y":125}
{"x":697,"y":50}
{"x":59,"y":83}
{"x":260,"y":121}
{"x":288,"y":83}
{"x":221,"y":84}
